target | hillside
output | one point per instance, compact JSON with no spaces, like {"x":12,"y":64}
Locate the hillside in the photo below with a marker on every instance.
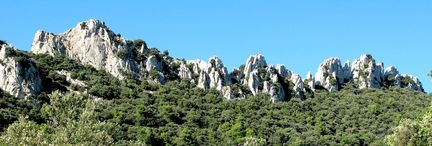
{"x":91,"y":86}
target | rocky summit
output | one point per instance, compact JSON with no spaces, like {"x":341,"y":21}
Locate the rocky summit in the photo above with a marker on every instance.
{"x":94,"y":44}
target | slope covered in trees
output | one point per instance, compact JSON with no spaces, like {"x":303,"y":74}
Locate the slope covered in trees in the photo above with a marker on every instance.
{"x":179,"y":113}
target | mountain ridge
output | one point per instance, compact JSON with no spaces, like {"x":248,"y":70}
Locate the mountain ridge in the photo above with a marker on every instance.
{"x":93,"y":43}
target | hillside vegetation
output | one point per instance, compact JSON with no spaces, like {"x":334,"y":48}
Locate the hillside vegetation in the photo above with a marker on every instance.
{"x":108,"y":111}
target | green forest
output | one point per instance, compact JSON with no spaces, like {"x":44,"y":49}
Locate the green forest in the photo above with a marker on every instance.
{"x":133,"y":112}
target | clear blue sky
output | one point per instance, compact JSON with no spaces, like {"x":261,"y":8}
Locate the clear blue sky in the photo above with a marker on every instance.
{"x":300,"y":34}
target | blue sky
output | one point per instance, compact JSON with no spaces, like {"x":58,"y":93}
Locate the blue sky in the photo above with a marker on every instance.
{"x":299,"y":34}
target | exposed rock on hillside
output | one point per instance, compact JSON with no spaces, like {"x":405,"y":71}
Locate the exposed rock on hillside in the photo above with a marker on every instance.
{"x":393,"y":78}
{"x":18,"y":75}
{"x":92,"y":43}
{"x":310,"y":81}
{"x":253,"y":63}
{"x":330,"y":74}
{"x":299,"y":88}
{"x":366,"y":73}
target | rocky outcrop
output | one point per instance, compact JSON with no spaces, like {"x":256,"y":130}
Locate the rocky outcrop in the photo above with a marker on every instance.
{"x":18,"y":75}
{"x":282,"y":71}
{"x":91,"y":43}
{"x":204,"y":80}
{"x":184,"y":72}
{"x":253,"y":82}
{"x":154,"y":63}
{"x":253,"y":63}
{"x":218,"y":73}
{"x":310,"y":81}
{"x":346,"y":69}
{"x":298,"y":88}
{"x":393,"y":78}
{"x":412,"y":82}
{"x":330,"y":74}
{"x":366,"y":73}
{"x":210,"y":75}
{"x":271,"y":79}
{"x":69,"y":78}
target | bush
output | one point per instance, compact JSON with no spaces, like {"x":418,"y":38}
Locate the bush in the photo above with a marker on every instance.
{"x":10,"y":52}
{"x":154,"y":74}
{"x":138,"y":43}
{"x":83,"y":25}
{"x":121,"y":54}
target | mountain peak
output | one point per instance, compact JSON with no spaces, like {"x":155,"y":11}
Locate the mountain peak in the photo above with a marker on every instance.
{"x":91,"y":24}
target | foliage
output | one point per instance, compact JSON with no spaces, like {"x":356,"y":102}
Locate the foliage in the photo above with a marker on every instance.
{"x":177,"y":114}
{"x":132,"y":112}
{"x":99,"y":83}
{"x":83,"y":25}
{"x":413,"y":132}
{"x":121,"y":53}
{"x":11,"y":108}
{"x":70,"y":121}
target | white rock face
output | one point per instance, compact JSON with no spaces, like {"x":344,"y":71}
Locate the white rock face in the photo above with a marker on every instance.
{"x":211,"y":75}
{"x":91,"y":43}
{"x":347,"y":76}
{"x":227,"y":93}
{"x":253,"y":82}
{"x":20,"y":79}
{"x":282,"y":71}
{"x":253,"y":63}
{"x":204,"y":80}
{"x":310,"y":81}
{"x":184,"y":71}
{"x":197,"y":66}
{"x":366,"y":73}
{"x":272,"y":87}
{"x":392,"y":77}
{"x":413,"y":83}
{"x":153,"y":63}
{"x":298,"y":86}
{"x":218,"y":73}
{"x":70,"y":79}
{"x":330,"y":74}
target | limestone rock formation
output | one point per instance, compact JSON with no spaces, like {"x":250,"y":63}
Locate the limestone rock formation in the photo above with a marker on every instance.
{"x":70,"y":79}
{"x":282,"y":71}
{"x":310,"y":81}
{"x":253,"y":82}
{"x":298,"y":88}
{"x":392,"y":77}
{"x":212,"y":74}
{"x":204,"y":80}
{"x":366,"y":73}
{"x":18,"y":75}
{"x":346,"y":69}
{"x":153,"y":63}
{"x":330,"y":74}
{"x":91,"y":43}
{"x":184,"y":72}
{"x":252,"y":63}
{"x":218,"y":73}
